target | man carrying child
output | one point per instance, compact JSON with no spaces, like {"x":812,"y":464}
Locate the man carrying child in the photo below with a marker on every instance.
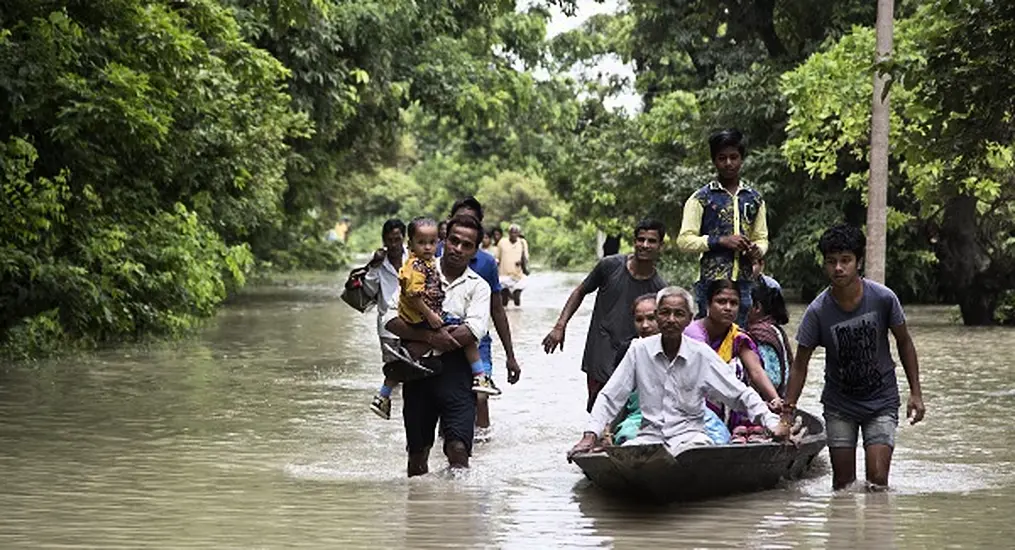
{"x":448,"y":395}
{"x":421,"y":306}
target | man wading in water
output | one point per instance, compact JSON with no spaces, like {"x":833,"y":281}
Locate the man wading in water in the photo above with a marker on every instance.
{"x":620,"y":280}
{"x":851,"y":320}
{"x":486,"y":266}
{"x":447,"y":396}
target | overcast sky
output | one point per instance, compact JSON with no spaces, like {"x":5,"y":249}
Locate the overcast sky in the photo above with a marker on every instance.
{"x":609,"y":65}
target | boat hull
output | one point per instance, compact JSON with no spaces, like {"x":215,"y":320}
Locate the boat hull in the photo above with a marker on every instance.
{"x":650,"y":472}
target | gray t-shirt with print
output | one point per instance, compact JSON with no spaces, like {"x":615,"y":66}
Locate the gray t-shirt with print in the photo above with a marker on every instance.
{"x":860,"y":377}
{"x":612,"y":317}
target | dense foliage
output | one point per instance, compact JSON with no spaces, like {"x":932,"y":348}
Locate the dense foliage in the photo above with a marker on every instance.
{"x":796,"y":76}
{"x":154,"y":152}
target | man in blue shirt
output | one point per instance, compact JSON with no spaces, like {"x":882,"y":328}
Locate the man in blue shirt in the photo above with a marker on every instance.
{"x":486,"y":266}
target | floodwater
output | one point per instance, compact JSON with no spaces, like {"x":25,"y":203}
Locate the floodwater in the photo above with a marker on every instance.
{"x":256,"y":433}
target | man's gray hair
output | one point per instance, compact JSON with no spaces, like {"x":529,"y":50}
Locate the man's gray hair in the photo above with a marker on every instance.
{"x":515,"y":227}
{"x":675,"y":291}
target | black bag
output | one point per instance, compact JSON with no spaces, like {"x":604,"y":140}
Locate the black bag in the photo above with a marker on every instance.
{"x":355,"y":293}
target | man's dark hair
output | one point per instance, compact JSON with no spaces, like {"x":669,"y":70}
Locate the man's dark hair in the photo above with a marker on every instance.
{"x":391,"y":225}
{"x":771,"y":302}
{"x":467,"y":202}
{"x":648,"y":224}
{"x":843,"y":238}
{"x":421,"y":221}
{"x":465,"y":220}
{"x":722,"y":139}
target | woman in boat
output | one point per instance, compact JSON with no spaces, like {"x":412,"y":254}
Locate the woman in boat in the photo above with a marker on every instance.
{"x":718,"y":330}
{"x":764,"y":324}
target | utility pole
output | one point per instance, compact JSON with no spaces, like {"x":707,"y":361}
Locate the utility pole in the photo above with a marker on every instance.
{"x":877,"y":190}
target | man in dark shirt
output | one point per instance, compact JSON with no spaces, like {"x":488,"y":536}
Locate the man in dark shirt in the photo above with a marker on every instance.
{"x":619,"y":279}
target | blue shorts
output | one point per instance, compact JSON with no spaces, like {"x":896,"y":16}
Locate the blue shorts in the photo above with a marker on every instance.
{"x":486,"y":355}
{"x":879,"y":429}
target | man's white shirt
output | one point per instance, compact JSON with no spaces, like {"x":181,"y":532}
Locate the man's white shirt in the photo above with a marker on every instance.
{"x":672,"y":393}
{"x":382,"y":281}
{"x":467,"y":297}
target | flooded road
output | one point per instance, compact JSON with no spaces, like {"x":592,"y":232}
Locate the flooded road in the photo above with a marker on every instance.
{"x":257,"y":434}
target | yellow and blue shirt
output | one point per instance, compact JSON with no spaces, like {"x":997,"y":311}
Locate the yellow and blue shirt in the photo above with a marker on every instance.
{"x":713,"y":212}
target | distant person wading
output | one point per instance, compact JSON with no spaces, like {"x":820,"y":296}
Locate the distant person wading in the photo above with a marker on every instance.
{"x":513,"y":265}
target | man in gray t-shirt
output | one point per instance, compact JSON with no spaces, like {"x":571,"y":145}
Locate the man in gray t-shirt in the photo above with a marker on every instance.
{"x":859,"y":371}
{"x":851,"y":320}
{"x":619,"y":280}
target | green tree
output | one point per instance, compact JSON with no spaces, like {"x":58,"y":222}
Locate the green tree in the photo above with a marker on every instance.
{"x":142,"y":143}
{"x":952,"y":160}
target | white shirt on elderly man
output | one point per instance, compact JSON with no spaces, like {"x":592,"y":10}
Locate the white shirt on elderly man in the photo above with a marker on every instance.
{"x":672,"y":393}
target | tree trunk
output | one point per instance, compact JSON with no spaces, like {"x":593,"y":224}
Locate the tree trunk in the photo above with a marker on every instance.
{"x":965,"y":264}
{"x":877,"y":192}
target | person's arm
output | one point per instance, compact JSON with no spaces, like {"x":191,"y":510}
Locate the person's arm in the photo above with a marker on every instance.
{"x":808,"y":336}
{"x":437,"y":339}
{"x":759,"y":231}
{"x":756,"y":373}
{"x":690,"y":239}
{"x":722,"y":385}
{"x":372,"y":281}
{"x":556,"y":336}
{"x":608,"y":404}
{"x":797,"y":377}
{"x":907,"y":354}
{"x":500,"y":322}
{"x":614,"y":395}
{"x":594,"y":280}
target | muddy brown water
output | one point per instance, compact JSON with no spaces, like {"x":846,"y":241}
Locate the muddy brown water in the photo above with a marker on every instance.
{"x":256,"y":434}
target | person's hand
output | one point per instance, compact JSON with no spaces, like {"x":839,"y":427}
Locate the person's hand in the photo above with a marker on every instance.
{"x":735,"y":242}
{"x":441,"y":340}
{"x":775,"y":405}
{"x":378,"y":256}
{"x":789,"y":432}
{"x":514,"y":371}
{"x":915,"y":409}
{"x":434,"y":321}
{"x":754,"y":255}
{"x":588,"y":441}
{"x":554,"y":339}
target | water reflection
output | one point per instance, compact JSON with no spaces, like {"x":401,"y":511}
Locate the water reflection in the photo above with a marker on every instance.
{"x":864,"y":520}
{"x":257,"y":434}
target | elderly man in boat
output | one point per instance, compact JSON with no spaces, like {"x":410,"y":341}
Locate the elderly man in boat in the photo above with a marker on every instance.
{"x":673,"y":376}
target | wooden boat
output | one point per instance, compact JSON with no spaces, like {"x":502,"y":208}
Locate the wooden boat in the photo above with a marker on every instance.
{"x":650,"y":472}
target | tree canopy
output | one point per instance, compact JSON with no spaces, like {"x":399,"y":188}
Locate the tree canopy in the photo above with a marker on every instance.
{"x":155,"y":152}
